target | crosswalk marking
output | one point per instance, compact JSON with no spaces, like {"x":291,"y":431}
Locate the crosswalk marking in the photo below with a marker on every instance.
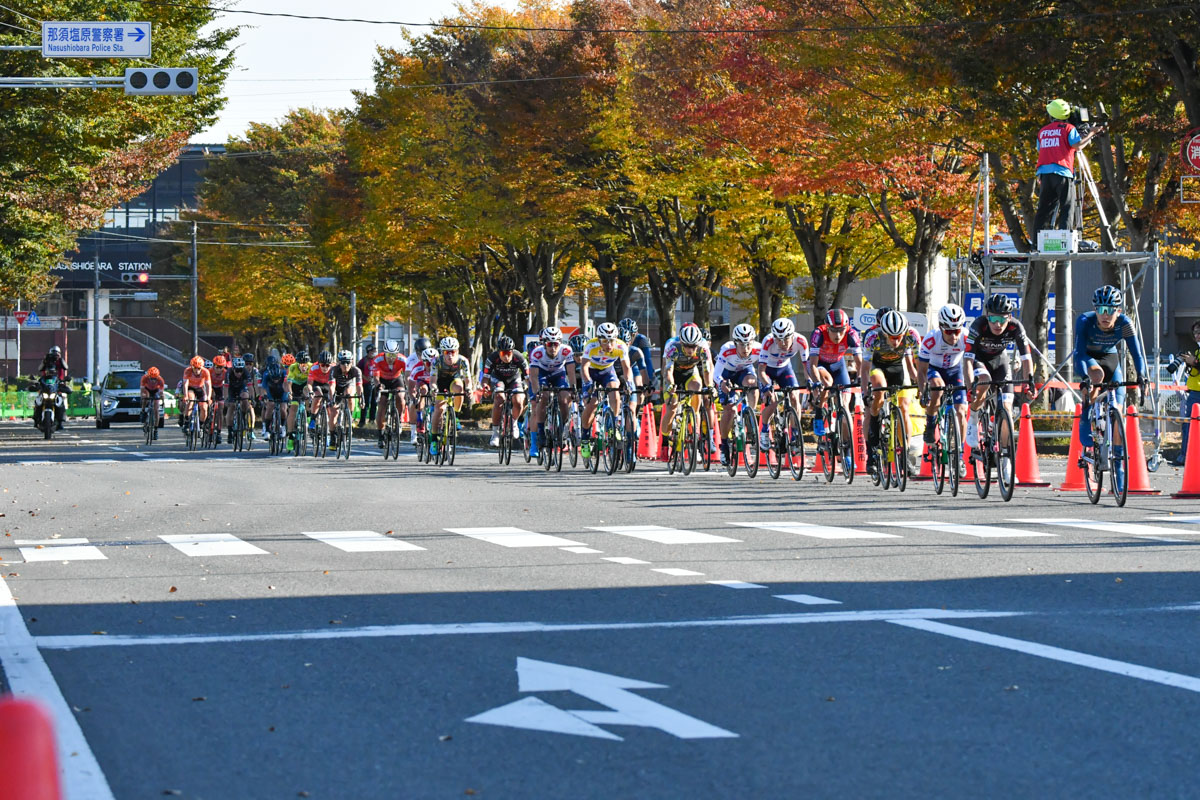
{"x":34,"y":463}
{"x":97,"y":461}
{"x":361,"y":541}
{"x":661,"y":535}
{"x":58,"y":550}
{"x":514,"y":537}
{"x":979,"y":531}
{"x":737,"y":584}
{"x":817,"y":531}
{"x":625,"y":560}
{"x":1127,"y":528}
{"x":808,"y":600}
{"x":581,"y":550}
{"x":164,"y":460}
{"x":680,"y":573}
{"x":203,"y":545}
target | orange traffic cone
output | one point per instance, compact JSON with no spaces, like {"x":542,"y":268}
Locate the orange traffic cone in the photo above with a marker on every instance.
{"x":648,"y":438}
{"x":29,"y":757}
{"x":860,"y":441}
{"x":1191,"y":460}
{"x":970,"y":474}
{"x":1028,"y":472}
{"x":1074,"y":479}
{"x":1138,"y":477}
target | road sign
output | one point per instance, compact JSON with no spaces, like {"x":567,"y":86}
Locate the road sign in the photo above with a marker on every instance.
{"x":95,"y":39}
{"x":974,"y":308}
{"x":623,"y":706}
{"x":21,"y":316}
{"x":324,"y":283}
{"x":32,"y":321}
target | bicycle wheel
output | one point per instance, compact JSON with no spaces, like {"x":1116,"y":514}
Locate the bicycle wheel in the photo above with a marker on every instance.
{"x":609,"y":442}
{"x":690,"y":425}
{"x":845,"y":443}
{"x":1118,"y":464}
{"x":1005,"y":454}
{"x":148,"y":426}
{"x":321,"y":440}
{"x":774,"y":462}
{"x":704,"y":446}
{"x":346,"y":432}
{"x":939,"y":454}
{"x":527,"y":428}
{"x":629,"y":451}
{"x":505,"y":442}
{"x":674,"y":446}
{"x":750,"y":422}
{"x":953,"y":449}
{"x":793,"y":439}
{"x":826,"y":445}
{"x":900,"y":452}
{"x":571,"y":445}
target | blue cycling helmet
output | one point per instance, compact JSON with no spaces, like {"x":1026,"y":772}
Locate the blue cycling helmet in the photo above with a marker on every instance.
{"x":1108,"y":296}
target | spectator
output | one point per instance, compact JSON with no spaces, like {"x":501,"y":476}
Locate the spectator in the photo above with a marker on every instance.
{"x":370,"y":386}
{"x":1192,"y":360}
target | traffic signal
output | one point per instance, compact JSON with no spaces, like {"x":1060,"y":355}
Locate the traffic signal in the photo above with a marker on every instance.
{"x":141,"y":278}
{"x":156,"y":80}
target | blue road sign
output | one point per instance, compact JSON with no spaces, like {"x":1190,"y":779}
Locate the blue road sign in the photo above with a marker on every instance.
{"x":76,"y":39}
{"x":32,"y":321}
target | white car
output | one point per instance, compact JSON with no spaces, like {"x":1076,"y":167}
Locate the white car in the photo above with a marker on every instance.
{"x":119,"y":398}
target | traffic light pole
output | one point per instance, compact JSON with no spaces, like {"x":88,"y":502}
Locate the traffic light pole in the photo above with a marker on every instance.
{"x":96,"y":315}
{"x":195,"y":296}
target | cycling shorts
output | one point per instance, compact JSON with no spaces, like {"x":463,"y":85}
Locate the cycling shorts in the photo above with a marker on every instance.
{"x":553,"y":380}
{"x":951,"y":376}
{"x":1109,"y":362}
{"x":391,"y":384}
{"x":197,"y":392}
{"x":218,"y":394}
{"x":298,"y":390}
{"x":894,"y":373}
{"x":513,"y":384}
{"x":605,"y":377}
{"x":681,"y":375}
{"x":841,"y":375}
{"x":782,"y":376}
{"x":444,"y":382}
{"x":737,"y":378}
{"x":997,"y":369}
{"x":277,"y":394}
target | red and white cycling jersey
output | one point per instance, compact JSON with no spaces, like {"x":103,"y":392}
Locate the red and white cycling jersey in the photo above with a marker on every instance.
{"x":728,"y":359}
{"x":551,"y":364}
{"x":319,"y":374}
{"x":937,"y":352}
{"x":830,"y":352}
{"x":388,"y":372}
{"x":420,"y":373}
{"x":773,"y":354}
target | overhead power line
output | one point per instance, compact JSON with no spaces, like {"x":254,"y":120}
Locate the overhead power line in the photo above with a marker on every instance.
{"x":103,"y":233}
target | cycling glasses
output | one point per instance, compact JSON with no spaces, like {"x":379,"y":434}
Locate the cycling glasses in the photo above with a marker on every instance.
{"x":1107,"y":309}
{"x":997,"y":319}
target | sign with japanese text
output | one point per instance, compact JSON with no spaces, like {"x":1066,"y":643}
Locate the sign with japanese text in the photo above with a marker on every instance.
{"x":1191,"y":150}
{"x":95,"y":39}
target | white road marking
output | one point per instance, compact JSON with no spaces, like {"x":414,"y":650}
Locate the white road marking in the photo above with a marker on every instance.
{"x":661,"y":535}
{"x":1126,"y":528}
{"x":119,"y":449}
{"x":97,"y":461}
{"x":361,"y":541}
{"x":139,"y":455}
{"x":1057,"y":654}
{"x":211,"y":544}
{"x":625,"y":560}
{"x":979,"y":531}
{"x":581,"y":550}
{"x":164,"y":460}
{"x":514,"y":537}
{"x":72,"y":642}
{"x":34,"y":463}
{"x":737,"y":584}
{"x":675,"y":571}
{"x":58,"y":550}
{"x":808,"y":600}
{"x":28,"y":676}
{"x":817,"y":531}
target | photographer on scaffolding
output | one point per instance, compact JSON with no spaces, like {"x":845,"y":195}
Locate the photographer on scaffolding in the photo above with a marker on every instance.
{"x":1057,"y":143}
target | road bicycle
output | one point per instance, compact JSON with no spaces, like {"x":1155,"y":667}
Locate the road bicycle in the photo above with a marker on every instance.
{"x":888,"y":460}
{"x":681,"y":442}
{"x":505,"y":398}
{"x":319,"y":424}
{"x":447,"y":446}
{"x":785,"y":436}
{"x":389,"y":434}
{"x":276,"y":438}
{"x":743,"y":435}
{"x":946,"y":452}
{"x":706,"y":450}
{"x":237,"y":428}
{"x":191,"y":427}
{"x":1109,"y":452}
{"x":527,"y":427}
{"x":836,"y":445}
{"x":300,"y":432}
{"x":615,"y":429}
{"x":150,"y":417}
{"x":551,"y":443}
{"x":420,"y":417}
{"x":344,"y":428}
{"x":997,"y":443}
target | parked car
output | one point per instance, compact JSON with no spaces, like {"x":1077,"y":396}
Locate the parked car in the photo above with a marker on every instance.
{"x":119,"y":397}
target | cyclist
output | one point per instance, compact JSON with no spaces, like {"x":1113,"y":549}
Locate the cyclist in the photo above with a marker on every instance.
{"x":420,"y":377}
{"x":831,"y":344}
{"x":638,"y":361}
{"x":505,"y":369}
{"x":551,"y":366}
{"x":940,"y":366}
{"x":275,"y":386}
{"x":890,"y":346}
{"x":640,"y":342}
{"x":319,"y":391}
{"x":347,"y":381}
{"x":220,"y":373}
{"x":782,"y":344}
{"x":254,"y":389}
{"x":197,"y":383}
{"x":600,"y":359}
{"x":735,"y":368}
{"x":389,"y":370}
{"x":987,"y":359}
{"x":578,"y":342}
{"x":297,"y":372}
{"x":454,"y":376}
{"x":1097,"y":334}
{"x":370,"y":385}
{"x":242,"y":380}
{"x":152,"y":386}
{"x":420,"y":345}
{"x":687,"y":364}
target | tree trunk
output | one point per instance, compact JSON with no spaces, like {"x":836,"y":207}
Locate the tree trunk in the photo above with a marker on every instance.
{"x":664,"y":292}
{"x":769,"y":291}
{"x":1035,"y":310}
{"x":617,"y":285}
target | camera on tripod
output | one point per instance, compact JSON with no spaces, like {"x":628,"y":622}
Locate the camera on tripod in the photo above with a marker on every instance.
{"x":1084,"y":120}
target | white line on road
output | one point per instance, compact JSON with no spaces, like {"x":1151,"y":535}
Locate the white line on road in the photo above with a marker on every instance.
{"x":1126,"y":528}
{"x":514,"y":537}
{"x":118,"y":449}
{"x":661,"y":535}
{"x":97,"y":461}
{"x":28,"y":676}
{"x":72,"y":642}
{"x":211,"y":544}
{"x":737,"y":584}
{"x":817,"y":531}
{"x":34,"y":463}
{"x":980,"y":531}
{"x":581,"y":550}
{"x":1057,"y":654}
{"x":58,"y":550}
{"x":676,"y":571}
{"x":361,"y":541}
{"x":139,"y":455}
{"x":625,"y":560}
{"x":809,"y":600}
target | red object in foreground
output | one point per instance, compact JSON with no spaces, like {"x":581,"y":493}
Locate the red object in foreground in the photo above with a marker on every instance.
{"x":1074,"y":479}
{"x":1139,"y":475}
{"x":1028,"y":472}
{"x":1191,"y":460}
{"x":28,"y":763}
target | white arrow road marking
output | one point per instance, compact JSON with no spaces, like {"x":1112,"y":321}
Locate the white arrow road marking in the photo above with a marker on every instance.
{"x":625,"y":707}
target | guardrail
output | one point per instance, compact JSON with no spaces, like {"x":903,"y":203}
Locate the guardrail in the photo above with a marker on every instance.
{"x":148,"y":341}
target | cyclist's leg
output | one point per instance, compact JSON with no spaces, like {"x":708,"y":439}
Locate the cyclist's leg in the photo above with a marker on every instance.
{"x":935,"y":382}
{"x":879,"y":382}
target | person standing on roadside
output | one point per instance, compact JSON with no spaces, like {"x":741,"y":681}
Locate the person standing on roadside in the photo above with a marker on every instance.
{"x":370,"y":385}
{"x":1057,"y":143}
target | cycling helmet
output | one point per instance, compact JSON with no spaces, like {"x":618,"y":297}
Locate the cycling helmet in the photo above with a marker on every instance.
{"x":421,"y":344}
{"x":449,"y":343}
{"x":551,"y":334}
{"x":1108,"y":296}
{"x":783,"y":328}
{"x":239,"y":363}
{"x":370,"y":348}
{"x":893,"y":323}
{"x":879,"y":314}
{"x":430,"y":354}
{"x":743,"y":333}
{"x":219,"y":361}
{"x":272,"y":361}
{"x":153,"y":372}
{"x":706,"y":333}
{"x":836,"y":318}
{"x":208,"y":364}
{"x":577,"y":341}
{"x":345,"y":357}
{"x":690,"y":335}
{"x":628,"y":325}
{"x":325,"y":358}
{"x":951,"y":316}
{"x":303,"y":357}
{"x":504,"y":344}
{"x":248,"y":358}
{"x":54,"y":351}
{"x":392,"y":346}
{"x":288,"y":359}
{"x":1001,"y":304}
{"x":197,"y":362}
{"x":606,"y":331}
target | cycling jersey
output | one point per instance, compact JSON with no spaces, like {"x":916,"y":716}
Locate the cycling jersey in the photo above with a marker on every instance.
{"x":830,"y":352}
{"x":1092,"y":343}
{"x":319,"y":374}
{"x":380,"y":368}
{"x":674,"y":355}
{"x":937,"y":352}
{"x":774,"y":356}
{"x":274,"y":377}
{"x":195,"y":378}
{"x":452,"y":372}
{"x":218,"y":376}
{"x":420,"y":373}
{"x":596,"y":357}
{"x":298,"y":373}
{"x":730,"y":364}
{"x":884,"y":352}
{"x":546,"y":363}
{"x":153,"y":384}
{"x":637,"y":362}
{"x":985,"y":345}
{"x":506,"y":371}
{"x":238,"y":383}
{"x":344,"y":377}
{"x":410,"y":363}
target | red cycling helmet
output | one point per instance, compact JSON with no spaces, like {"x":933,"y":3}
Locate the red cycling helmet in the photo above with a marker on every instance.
{"x":837,"y":318}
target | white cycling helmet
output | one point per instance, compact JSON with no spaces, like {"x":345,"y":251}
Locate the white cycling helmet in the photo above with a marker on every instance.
{"x":952,"y":317}
{"x":551,"y":334}
{"x":691,"y":335}
{"x":893,"y":323}
{"x":606,"y":330}
{"x":391,"y":346}
{"x":430,"y":354}
{"x":743,"y":333}
{"x":783,"y":328}
{"x":449,"y":343}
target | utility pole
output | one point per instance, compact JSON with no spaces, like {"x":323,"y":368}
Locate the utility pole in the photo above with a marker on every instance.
{"x":96,"y":315}
{"x":195,"y":295}
{"x":354,"y":323}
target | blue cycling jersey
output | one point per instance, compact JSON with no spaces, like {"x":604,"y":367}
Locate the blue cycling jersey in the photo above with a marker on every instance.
{"x":641,"y":342}
{"x":1091,"y":342}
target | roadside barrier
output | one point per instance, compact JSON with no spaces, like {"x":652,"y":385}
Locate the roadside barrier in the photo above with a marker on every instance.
{"x":648,"y":439}
{"x":1028,"y":472}
{"x":1074,"y":479}
{"x":1191,"y":466}
{"x":28,"y":761}
{"x":1139,"y":475}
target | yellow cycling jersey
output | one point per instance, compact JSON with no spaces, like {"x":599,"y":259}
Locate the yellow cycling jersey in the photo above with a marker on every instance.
{"x":298,"y":373}
{"x":597,"y":358}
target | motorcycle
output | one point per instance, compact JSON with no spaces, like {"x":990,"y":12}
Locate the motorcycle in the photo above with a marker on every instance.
{"x":49,"y":405}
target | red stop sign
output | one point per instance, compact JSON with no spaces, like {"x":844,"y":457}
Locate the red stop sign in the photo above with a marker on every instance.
{"x":1191,"y":150}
